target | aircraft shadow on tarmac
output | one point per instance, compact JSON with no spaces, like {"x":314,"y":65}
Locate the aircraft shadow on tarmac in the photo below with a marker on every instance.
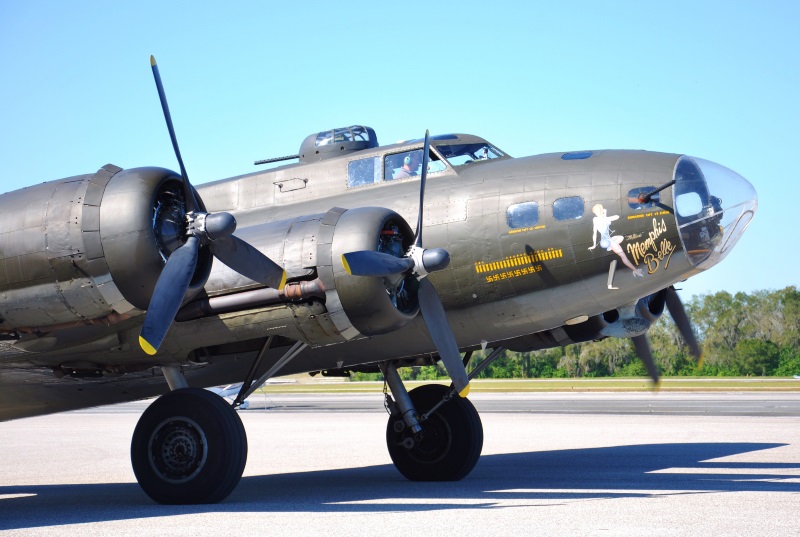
{"x":611,"y":472}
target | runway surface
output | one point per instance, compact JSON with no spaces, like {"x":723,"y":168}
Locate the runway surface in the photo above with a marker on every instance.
{"x":552,"y":464}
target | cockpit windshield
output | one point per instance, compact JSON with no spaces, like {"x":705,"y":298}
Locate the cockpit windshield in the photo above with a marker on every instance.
{"x":461,"y":154}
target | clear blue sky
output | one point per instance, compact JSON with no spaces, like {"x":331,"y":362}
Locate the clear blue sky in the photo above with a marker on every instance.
{"x":249,"y":80}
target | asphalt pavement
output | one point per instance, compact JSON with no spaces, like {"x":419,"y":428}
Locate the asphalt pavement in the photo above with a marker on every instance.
{"x":552,"y":464}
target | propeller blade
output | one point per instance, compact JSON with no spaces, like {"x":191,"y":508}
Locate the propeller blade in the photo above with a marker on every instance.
{"x":168,"y":294}
{"x":678,"y":312}
{"x":371,"y":263}
{"x":248,"y":261}
{"x":642,"y":346}
{"x":435,"y":319}
{"x":423,"y":176}
{"x":188,"y":191}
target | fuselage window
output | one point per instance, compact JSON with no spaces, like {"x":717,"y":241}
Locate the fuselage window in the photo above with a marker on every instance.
{"x":523,"y":215}
{"x":365,"y":171}
{"x":570,"y":208}
{"x":633,"y":197}
{"x":409,"y":164}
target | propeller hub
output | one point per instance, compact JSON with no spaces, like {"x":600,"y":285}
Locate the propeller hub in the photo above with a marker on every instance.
{"x":415,"y":254}
{"x":435,"y":259}
{"x":219,"y":225}
{"x":428,"y":260}
{"x":211,"y":226}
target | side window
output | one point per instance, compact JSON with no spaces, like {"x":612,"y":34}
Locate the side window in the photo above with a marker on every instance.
{"x":633,"y":197}
{"x":688,"y":204}
{"x":365,"y":171}
{"x":523,"y":215}
{"x":570,"y":208}
{"x":409,"y":164}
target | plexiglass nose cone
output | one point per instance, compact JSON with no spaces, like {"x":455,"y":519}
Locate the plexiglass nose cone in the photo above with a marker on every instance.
{"x":713,"y":207}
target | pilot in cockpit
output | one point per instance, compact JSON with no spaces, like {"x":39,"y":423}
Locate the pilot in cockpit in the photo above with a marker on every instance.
{"x":410,"y":166}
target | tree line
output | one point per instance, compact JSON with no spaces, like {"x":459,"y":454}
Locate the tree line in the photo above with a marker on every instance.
{"x":755,"y":334}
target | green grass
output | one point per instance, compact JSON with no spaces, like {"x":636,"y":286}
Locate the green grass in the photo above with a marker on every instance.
{"x":678,"y":384}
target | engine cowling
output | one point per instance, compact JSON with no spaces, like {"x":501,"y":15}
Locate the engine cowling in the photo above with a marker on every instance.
{"x":92,"y":247}
{"x":371,"y":305}
{"x":310,"y":249}
{"x":87,"y":247}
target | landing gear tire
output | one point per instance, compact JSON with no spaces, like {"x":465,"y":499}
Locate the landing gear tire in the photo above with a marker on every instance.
{"x":189,"y":447}
{"x":451,"y":443}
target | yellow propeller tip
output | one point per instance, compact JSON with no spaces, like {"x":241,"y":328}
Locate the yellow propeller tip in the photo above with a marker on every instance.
{"x":346,"y":265}
{"x":152,"y":60}
{"x":283,"y":281}
{"x":146,"y":347}
{"x":465,"y":392}
{"x":656,"y":385}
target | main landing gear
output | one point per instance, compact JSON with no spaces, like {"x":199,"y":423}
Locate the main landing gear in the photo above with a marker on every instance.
{"x":432,"y":434}
{"x":189,"y":447}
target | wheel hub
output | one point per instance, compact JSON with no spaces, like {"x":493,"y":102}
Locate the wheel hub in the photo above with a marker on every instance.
{"x":178,"y":449}
{"x":431,"y":446}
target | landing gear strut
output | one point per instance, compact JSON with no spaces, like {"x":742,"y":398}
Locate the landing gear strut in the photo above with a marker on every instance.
{"x":432,"y":434}
{"x":189,"y":447}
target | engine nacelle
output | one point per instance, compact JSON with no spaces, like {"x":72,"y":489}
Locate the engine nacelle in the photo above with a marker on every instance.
{"x":371,"y":305}
{"x":310,"y":249}
{"x":87,"y":247}
{"x":92,"y":247}
{"x":634,"y":319}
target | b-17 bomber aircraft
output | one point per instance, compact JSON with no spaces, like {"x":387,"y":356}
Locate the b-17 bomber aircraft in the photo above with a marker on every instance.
{"x":121,"y":285}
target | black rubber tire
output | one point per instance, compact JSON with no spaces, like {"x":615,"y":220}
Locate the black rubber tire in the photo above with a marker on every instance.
{"x":189,"y":447}
{"x":452,"y":438}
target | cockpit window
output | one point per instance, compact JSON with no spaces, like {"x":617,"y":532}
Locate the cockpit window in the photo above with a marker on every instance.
{"x":461,"y":154}
{"x":409,"y":164}
{"x":369,"y":170}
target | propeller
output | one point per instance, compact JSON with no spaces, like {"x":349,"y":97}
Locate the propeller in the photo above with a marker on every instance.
{"x":642,"y":346}
{"x":678,"y":313}
{"x":420,"y":262}
{"x":203,"y":229}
